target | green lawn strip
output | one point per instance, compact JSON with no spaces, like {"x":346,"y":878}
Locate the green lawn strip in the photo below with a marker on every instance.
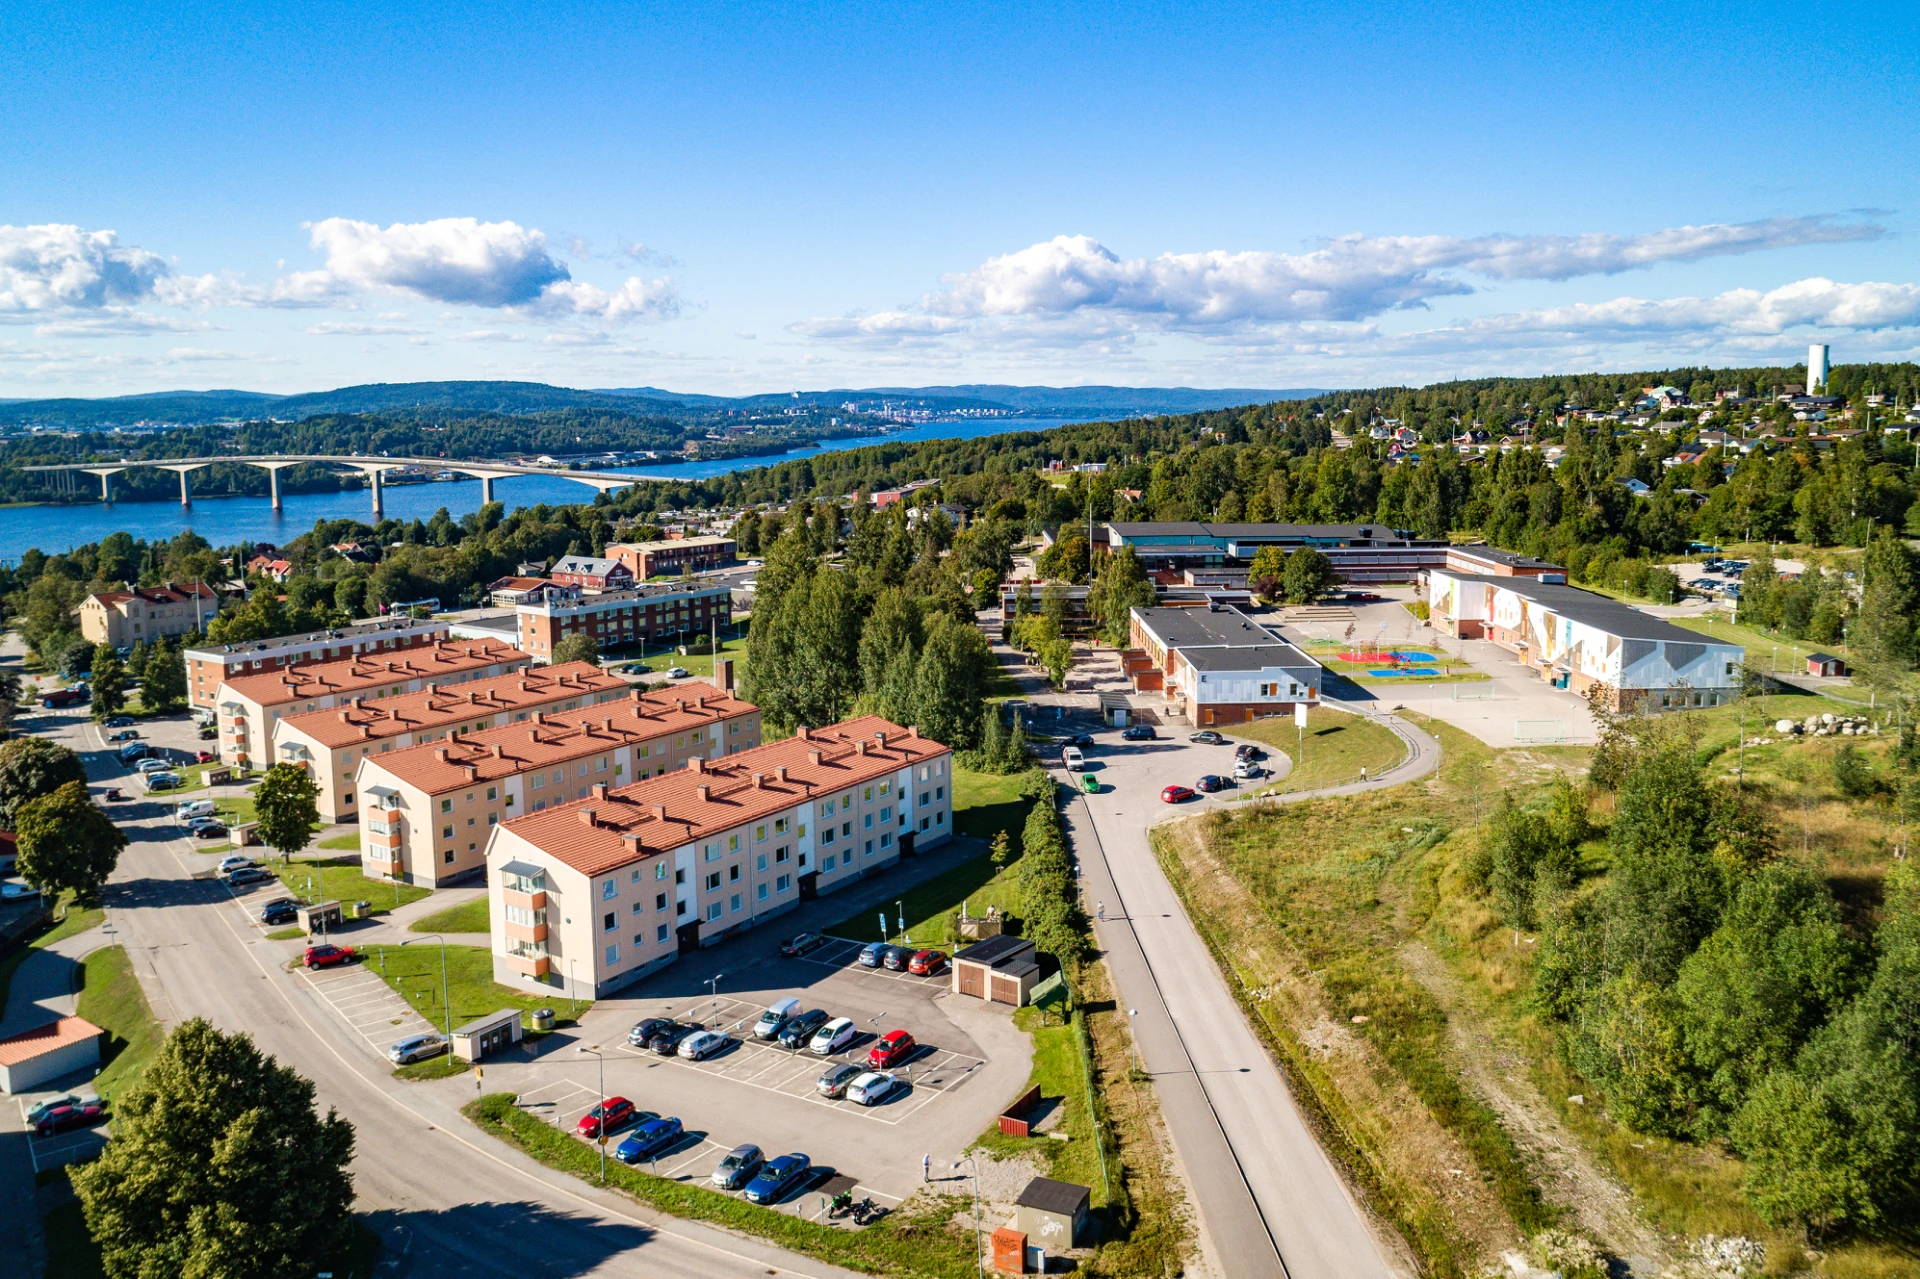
{"x":1768,"y":652}
{"x":77,"y":921}
{"x":1337,"y":746}
{"x":445,"y":1066}
{"x":342,"y":843}
{"x":287,"y":934}
{"x":467,"y":917}
{"x":339,"y":879}
{"x":1060,"y":1072}
{"x":933,"y":907}
{"x":699,"y":665}
{"x":914,"y":1242}
{"x":111,"y":999}
{"x":414,"y":971}
{"x":984,"y":803}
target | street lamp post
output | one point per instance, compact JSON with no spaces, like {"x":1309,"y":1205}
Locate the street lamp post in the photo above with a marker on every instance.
{"x":600,"y":1108}
{"x":979,"y":1262}
{"x":713,"y":993}
{"x":443,"y":975}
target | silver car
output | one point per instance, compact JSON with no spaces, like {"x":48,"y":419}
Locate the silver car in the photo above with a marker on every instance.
{"x":416,"y":1048}
{"x":739,"y":1166}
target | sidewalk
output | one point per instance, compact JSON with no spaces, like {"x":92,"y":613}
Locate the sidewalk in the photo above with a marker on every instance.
{"x":44,"y":985}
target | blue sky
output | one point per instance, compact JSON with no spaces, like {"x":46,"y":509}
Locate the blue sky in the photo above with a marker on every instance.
{"x":290,"y":198}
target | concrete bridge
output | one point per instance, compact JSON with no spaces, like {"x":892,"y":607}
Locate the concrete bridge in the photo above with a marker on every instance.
{"x":371,"y":467}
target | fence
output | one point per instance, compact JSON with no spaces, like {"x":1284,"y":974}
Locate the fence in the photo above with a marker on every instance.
{"x":1542,"y":730}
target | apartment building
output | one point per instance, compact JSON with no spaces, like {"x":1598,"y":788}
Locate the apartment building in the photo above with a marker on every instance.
{"x":674,"y":555}
{"x":426,"y":811}
{"x":330,"y":743}
{"x":591,"y":573}
{"x":663,"y":614}
{"x":211,"y":665}
{"x":250,"y":706}
{"x":593,"y":894}
{"x":143,"y":614}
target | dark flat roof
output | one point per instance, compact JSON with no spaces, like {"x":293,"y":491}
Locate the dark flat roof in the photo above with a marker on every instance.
{"x":1049,"y":1195}
{"x":1495,"y":555}
{"x":1246,"y":658}
{"x":1192,"y":528}
{"x":1593,"y":610}
{"x":995,"y":951}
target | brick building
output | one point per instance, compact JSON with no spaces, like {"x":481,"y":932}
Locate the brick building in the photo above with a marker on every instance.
{"x":675,"y":555}
{"x":664,"y":614}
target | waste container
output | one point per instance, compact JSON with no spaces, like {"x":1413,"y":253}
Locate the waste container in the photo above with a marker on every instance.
{"x":543,"y":1019}
{"x":362,"y":910}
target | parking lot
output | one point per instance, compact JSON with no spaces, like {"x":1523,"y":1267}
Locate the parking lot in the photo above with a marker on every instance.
{"x":374,"y":1009}
{"x":694,"y":1157}
{"x":839,"y":953}
{"x":61,"y":1148}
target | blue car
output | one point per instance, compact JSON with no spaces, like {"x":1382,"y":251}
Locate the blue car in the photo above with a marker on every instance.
{"x":871,"y":953}
{"x":650,"y":1138}
{"x":778,"y":1178}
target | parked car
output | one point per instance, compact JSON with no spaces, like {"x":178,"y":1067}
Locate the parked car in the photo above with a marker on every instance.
{"x":1175,"y":795}
{"x":208,"y":733}
{"x":1138,"y":733}
{"x":130,"y":752}
{"x":702,"y":1044}
{"x":800,"y":1031}
{"x":1210,"y":782}
{"x":834,"y":1080}
{"x":210,"y":830}
{"x":125,"y":735}
{"x":643,"y":1032}
{"x":650,"y":1138}
{"x":896,"y":958}
{"x":235,"y":861}
{"x":609,"y":1116}
{"x":113,"y":795}
{"x":666,"y":1040}
{"x":327,"y":955}
{"x":417,"y":1048}
{"x":778,"y":1178}
{"x":1207,"y":737}
{"x":68,"y":1118}
{"x":1247,"y":750}
{"x":894,"y":1048}
{"x":1082,"y":740}
{"x":164,"y":781}
{"x":247,"y":876}
{"x":1245,"y":769}
{"x":801,"y":943}
{"x":283,"y":911}
{"x":833,"y":1036}
{"x":870,"y":954}
{"x":190,"y":808}
{"x":871,"y":1088}
{"x":1072,"y":760}
{"x":195,"y":823}
{"x":120,"y":721}
{"x":778,"y":1014}
{"x":737,"y":1167}
{"x":678,"y":672}
{"x":152,"y":765}
{"x":47,"y":1105}
{"x":203,"y":757}
{"x":926,"y":963}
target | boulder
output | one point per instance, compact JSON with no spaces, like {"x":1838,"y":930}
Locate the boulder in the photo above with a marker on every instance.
{"x":1786,"y":726}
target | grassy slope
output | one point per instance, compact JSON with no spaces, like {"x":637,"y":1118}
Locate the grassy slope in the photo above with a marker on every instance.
{"x":1337,"y":747}
{"x":339,"y":879}
{"x":77,"y":921}
{"x":112,"y":1000}
{"x":414,"y":971}
{"x":1060,"y":1071}
{"x":467,"y":917}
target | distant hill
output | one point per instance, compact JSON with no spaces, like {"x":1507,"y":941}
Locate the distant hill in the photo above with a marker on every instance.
{"x":193,"y":408}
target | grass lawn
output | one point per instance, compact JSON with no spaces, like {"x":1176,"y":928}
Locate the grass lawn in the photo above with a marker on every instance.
{"x":111,"y":999}
{"x":349,"y":843}
{"x":933,"y":907}
{"x":1060,"y":1072}
{"x":1768,"y":652}
{"x":414,"y":971}
{"x":77,"y":921}
{"x":339,"y":879}
{"x":986,"y":802}
{"x":915,"y":1241}
{"x":467,"y":917}
{"x":1337,"y":747}
{"x":660,"y":660}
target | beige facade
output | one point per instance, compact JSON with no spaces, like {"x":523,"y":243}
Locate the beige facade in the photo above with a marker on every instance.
{"x":215,"y":664}
{"x":250,"y":706}
{"x":332,"y":743}
{"x":426,"y":812}
{"x":593,"y":894}
{"x":144,"y":614}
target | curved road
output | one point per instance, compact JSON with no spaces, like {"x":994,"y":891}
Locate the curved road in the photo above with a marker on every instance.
{"x":1270,"y":1202}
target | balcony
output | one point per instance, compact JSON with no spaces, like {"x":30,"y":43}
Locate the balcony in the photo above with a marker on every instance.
{"x":514,"y":899}
{"x":527,"y":965}
{"x":525,"y":932}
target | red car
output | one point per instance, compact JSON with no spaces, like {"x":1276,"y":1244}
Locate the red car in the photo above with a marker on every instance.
{"x":894,"y":1047}
{"x":329,"y":955}
{"x":1175,"y":795}
{"x":67,"y":1118}
{"x":203,"y":757}
{"x":613,"y":1112}
{"x":926,"y":963}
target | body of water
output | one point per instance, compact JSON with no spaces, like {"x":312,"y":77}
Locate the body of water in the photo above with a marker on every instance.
{"x":226,"y":520}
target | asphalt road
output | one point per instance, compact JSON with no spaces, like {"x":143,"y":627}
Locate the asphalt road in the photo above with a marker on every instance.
{"x":1270,"y":1202}
{"x":446,"y":1200}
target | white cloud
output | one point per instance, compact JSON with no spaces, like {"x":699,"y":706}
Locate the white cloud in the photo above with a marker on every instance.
{"x":636,"y":299}
{"x":332,"y":328}
{"x":1014,"y":298}
{"x":55,"y":267}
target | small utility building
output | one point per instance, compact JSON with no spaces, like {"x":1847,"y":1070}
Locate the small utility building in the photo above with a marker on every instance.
{"x":60,"y":1047}
{"x":1051,"y":1214}
{"x":1000,"y":969}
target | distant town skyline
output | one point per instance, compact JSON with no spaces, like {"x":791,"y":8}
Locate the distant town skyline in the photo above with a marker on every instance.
{"x":710,"y":200}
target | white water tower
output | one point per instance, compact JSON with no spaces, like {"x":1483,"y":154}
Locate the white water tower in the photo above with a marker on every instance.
{"x":1816,"y":368}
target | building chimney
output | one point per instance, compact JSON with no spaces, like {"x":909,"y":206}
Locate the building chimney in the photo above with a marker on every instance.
{"x":802,"y":733}
{"x":698,"y":763}
{"x":813,"y":757}
{"x":882,"y":736}
{"x":700,"y":702}
{"x":780,"y":772}
{"x":599,"y":790}
{"x":659,"y":812}
{"x":759,"y":781}
{"x":913,"y":731}
{"x":587,"y":818}
{"x":498,"y":753}
{"x":473,"y":773}
{"x":703,"y":792}
{"x":346,"y":717}
{"x":860,"y":747}
{"x":440,"y":753}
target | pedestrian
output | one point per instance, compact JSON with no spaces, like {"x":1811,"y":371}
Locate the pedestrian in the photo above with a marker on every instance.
{"x":926,"y":1169}
{"x":1363,"y":772}
{"x":1103,"y":912}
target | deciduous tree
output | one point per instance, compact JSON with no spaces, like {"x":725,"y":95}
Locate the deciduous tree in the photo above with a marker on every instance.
{"x":31,"y":767}
{"x":66,"y":843}
{"x":287,"y":807}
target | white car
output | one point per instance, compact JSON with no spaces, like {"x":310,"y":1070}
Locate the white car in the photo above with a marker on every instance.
{"x":702,"y":1044}
{"x":235,"y":862}
{"x":678,"y":672}
{"x":871,"y":1088}
{"x":153,"y":766}
{"x":1245,"y":768}
{"x":833,"y":1036}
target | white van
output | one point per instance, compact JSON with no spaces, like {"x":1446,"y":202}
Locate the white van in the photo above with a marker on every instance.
{"x":193,"y":808}
{"x":1073,"y":759}
{"x":778,"y":1014}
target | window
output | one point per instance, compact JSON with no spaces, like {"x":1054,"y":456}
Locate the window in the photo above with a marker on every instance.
{"x":826,"y":836}
{"x":493,"y":819}
{"x":846,"y":828}
{"x":635,"y":877}
{"x":940,"y":818}
{"x":886,"y":814}
{"x":449,"y":857}
{"x":869,"y":848}
{"x":608,"y":890}
{"x":886,"y":839}
{"x":939,"y":792}
{"x":660,"y":870}
{"x":713,"y":912}
{"x":826,"y":808}
{"x":608,"y":922}
{"x":759,"y":832}
{"x":710,"y":852}
{"x":659,"y":901}
{"x":446,"y":806}
{"x":866,"y":823}
{"x":827,"y":865}
{"x":713,"y":881}
{"x":733,"y":903}
{"x":613,"y":956}
{"x":762,"y":894}
{"x":924,"y":823}
{"x":886,"y":789}
{"x":733,"y":843}
{"x":539,"y":781}
{"x":600,"y":765}
{"x":679,"y":876}
{"x":923,"y":772}
{"x":760,"y":862}
{"x":781,"y":884}
{"x":781,"y":853}
{"x":446,"y":832}
{"x":660,"y":933}
{"x":779,"y":825}
{"x":923,"y":799}
{"x":867,"y":794}
{"x":679,"y":908}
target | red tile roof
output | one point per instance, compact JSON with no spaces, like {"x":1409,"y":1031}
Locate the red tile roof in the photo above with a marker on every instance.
{"x":618,"y":826}
{"x":42,"y":1040}
{"x":348,"y":675}
{"x":362,"y":720}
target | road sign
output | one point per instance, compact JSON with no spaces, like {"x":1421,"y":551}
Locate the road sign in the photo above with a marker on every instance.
{"x":602,"y":1139}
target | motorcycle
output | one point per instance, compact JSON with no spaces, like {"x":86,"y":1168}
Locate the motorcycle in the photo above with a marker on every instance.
{"x":841,"y":1205}
{"x":865,"y":1213}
